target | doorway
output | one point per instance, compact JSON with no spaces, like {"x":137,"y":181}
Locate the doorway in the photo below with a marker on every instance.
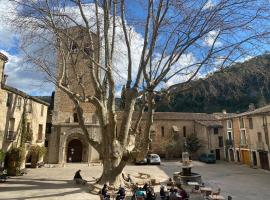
{"x":254,"y":158}
{"x":264,"y":160}
{"x":231,"y":155}
{"x":74,"y":152}
{"x":217,"y":154}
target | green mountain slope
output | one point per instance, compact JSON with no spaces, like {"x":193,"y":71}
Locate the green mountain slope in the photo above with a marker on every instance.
{"x":233,"y":89}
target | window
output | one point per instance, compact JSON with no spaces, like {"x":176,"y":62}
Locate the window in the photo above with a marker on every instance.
{"x":28,"y":125}
{"x":19,"y":103}
{"x":11,"y":124}
{"x":75,"y":117}
{"x":9,"y":99}
{"x":40,"y":130}
{"x":243,"y":137}
{"x":215,"y":131}
{"x":229,"y":124}
{"x":11,"y":134}
{"x":184,"y":132}
{"x":241,"y":121}
{"x":48,"y":128}
{"x":250,"y":122}
{"x":162,"y":131}
{"x":220,"y":141}
{"x":264,"y":121}
{"x":42,"y":110}
{"x":46,"y":143}
{"x":74,"y":47}
{"x":29,"y":107}
{"x":229,"y":135}
{"x":259,"y":137}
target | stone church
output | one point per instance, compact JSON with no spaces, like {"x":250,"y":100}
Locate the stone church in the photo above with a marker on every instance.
{"x":66,"y":142}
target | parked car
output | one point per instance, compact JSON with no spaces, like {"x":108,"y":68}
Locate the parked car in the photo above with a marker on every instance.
{"x":207,"y":158}
{"x":141,"y":162}
{"x":152,"y":159}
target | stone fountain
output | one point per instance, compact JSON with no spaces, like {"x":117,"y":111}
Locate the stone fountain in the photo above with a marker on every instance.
{"x":186,"y":175}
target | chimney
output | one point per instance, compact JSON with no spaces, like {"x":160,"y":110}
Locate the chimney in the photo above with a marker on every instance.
{"x":3,"y":60}
{"x":251,"y":107}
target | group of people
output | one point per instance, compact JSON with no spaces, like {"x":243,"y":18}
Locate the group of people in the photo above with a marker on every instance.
{"x":146,"y":192}
{"x":175,"y":192}
{"x":120,"y":195}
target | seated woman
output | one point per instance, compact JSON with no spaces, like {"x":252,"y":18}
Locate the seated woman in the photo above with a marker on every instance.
{"x":121,"y":194}
{"x":78,"y":178}
{"x":182,"y":193}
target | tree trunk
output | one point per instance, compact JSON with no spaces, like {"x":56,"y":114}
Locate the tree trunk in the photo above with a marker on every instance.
{"x":111,"y":174}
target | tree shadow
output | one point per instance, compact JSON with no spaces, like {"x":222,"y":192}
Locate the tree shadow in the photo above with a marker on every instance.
{"x":42,"y":184}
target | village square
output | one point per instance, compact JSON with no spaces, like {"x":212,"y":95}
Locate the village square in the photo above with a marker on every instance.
{"x":140,"y":100}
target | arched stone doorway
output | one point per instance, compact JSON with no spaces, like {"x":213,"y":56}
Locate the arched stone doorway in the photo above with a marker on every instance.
{"x":74,"y":151}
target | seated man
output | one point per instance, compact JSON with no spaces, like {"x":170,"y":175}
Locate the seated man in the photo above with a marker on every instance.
{"x":78,"y":178}
{"x":170,"y":182}
{"x":104,"y":192}
{"x":121,"y":193}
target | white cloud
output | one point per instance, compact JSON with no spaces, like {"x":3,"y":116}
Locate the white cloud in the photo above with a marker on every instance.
{"x":208,"y":5}
{"x":210,"y":38}
{"x":23,"y":78}
{"x":7,"y":35}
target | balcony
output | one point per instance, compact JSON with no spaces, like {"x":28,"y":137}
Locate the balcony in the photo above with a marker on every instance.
{"x":260,"y":146}
{"x":229,"y":142}
{"x":11,"y":136}
{"x":243,"y":144}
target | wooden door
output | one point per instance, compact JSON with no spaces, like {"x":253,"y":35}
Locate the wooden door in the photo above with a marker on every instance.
{"x":245,"y":157}
{"x":74,"y":151}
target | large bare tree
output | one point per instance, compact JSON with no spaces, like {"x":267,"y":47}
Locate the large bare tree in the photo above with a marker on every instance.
{"x":176,"y":40}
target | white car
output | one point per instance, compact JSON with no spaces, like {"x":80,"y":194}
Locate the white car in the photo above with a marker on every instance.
{"x":153,"y":159}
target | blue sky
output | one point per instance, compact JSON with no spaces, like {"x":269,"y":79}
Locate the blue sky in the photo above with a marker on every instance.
{"x":32,"y":81}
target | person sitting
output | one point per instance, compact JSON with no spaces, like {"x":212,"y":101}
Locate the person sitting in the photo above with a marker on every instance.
{"x":170,"y":182}
{"x":139,"y":194}
{"x":150,"y":194}
{"x":121,"y":194}
{"x":162,"y":193}
{"x":78,"y":178}
{"x":104,"y":192}
{"x":182,"y":193}
{"x":128,"y":178}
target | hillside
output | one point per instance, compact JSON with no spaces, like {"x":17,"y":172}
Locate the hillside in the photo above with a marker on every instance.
{"x":233,"y":89}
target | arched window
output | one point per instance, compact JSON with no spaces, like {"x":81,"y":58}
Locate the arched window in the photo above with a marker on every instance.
{"x":75,"y":117}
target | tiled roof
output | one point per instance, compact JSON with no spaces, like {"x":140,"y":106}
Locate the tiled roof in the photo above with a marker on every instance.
{"x":23,"y":94}
{"x":212,"y":124}
{"x":175,"y":116}
{"x":265,"y":109}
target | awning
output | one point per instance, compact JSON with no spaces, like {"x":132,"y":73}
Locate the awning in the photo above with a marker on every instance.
{"x":175,"y":128}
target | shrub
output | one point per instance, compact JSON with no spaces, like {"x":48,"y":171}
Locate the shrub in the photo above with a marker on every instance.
{"x":15,"y":158}
{"x":37,"y":152}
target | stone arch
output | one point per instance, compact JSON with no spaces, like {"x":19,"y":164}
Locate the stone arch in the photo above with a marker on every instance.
{"x":76,"y":138}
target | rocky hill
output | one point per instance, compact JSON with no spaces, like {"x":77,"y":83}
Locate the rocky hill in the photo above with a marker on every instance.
{"x":232,"y":88}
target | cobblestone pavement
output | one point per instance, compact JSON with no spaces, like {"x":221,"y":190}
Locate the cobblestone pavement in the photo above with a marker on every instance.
{"x":241,"y":182}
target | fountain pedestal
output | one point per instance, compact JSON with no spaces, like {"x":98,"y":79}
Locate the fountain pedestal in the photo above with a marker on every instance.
{"x":186,"y":175}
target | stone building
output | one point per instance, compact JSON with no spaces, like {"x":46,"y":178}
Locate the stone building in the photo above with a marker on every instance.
{"x":18,"y":109}
{"x":248,"y":138}
{"x":66,"y":142}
